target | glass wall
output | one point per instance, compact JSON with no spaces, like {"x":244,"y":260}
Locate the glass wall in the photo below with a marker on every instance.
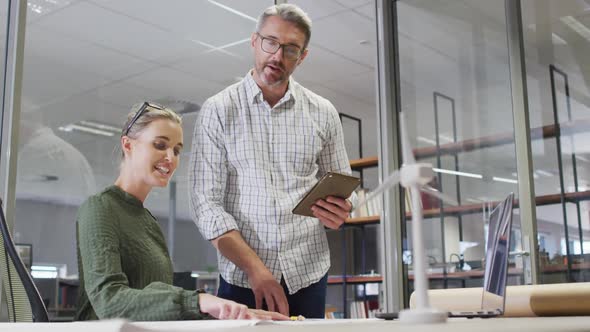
{"x":3,"y":37}
{"x":340,"y":66}
{"x":557,"y":39}
{"x":87,"y":62}
{"x":455,"y":95}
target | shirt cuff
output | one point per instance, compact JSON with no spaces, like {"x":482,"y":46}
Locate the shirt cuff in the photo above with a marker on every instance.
{"x":190,"y":305}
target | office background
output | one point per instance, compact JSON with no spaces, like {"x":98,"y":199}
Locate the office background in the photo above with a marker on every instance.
{"x":86,"y":62}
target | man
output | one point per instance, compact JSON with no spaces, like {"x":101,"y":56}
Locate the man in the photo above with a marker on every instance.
{"x":258,"y":147}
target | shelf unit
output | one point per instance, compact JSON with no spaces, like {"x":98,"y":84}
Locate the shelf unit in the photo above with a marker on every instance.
{"x":548,"y":131}
{"x":478,"y":273}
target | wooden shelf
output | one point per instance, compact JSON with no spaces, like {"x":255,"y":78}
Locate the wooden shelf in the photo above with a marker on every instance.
{"x":335,"y":280}
{"x":476,"y":208}
{"x":363,"y":220}
{"x":465,"y":274}
{"x":502,"y":139}
{"x":562,"y":268}
{"x":358,"y":164}
{"x":566,"y":128}
{"x":552,"y":268}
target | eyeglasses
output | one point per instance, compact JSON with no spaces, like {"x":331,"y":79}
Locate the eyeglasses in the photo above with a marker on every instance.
{"x":141,"y":110}
{"x":271,"y":46}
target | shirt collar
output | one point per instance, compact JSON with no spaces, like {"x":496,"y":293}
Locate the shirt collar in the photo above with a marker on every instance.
{"x":254,"y":93}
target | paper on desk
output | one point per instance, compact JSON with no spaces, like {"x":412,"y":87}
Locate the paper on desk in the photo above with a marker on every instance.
{"x":188,"y":325}
{"x":316,"y":321}
{"x":521,"y":301}
{"x":116,"y":325}
{"x":197,"y":325}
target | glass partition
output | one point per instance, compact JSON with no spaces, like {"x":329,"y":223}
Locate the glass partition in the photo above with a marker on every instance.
{"x":556,"y":37}
{"x":455,"y":95}
{"x":86,"y":63}
{"x":3,"y":36}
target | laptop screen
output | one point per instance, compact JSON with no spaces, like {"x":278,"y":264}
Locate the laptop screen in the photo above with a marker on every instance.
{"x":496,"y":265}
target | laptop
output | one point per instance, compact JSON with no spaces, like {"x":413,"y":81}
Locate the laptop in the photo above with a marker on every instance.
{"x":493,"y":299}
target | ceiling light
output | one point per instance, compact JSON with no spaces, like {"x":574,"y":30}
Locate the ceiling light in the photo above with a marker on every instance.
{"x":473,"y":200}
{"x":101,"y":126}
{"x":213,"y":47}
{"x":578,"y":27}
{"x":222,"y":47}
{"x":43,"y":272}
{"x":469,"y":175}
{"x":75,"y":127}
{"x":446,"y":138}
{"x":555,"y":38}
{"x":231,"y":10}
{"x":92,"y":127}
{"x":544,"y":173}
{"x":499,"y":179}
{"x":426,"y":140}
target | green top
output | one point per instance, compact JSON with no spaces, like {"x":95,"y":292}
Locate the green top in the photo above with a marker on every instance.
{"x":123,"y":262}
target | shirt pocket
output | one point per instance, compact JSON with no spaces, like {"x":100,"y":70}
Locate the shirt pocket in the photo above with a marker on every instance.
{"x":303,"y":153}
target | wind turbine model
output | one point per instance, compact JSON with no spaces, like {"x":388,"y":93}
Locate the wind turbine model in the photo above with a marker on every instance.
{"x":415,"y":178}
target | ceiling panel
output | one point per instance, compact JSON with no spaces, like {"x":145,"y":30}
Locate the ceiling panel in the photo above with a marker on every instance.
{"x":367,"y":10}
{"x":353,"y":3}
{"x":192,"y":20}
{"x":321,"y":65}
{"x":349,"y":34}
{"x":119,"y":32}
{"x":360,"y":86}
{"x":55,"y":47}
{"x":252,"y":8}
{"x":46,"y":81}
{"x":42,"y":8}
{"x":123,"y":93}
{"x":219,"y":67}
{"x":170,"y":83}
{"x":318,"y":10}
{"x":74,"y":109}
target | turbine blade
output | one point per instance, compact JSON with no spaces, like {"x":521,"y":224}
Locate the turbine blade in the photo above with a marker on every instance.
{"x":435,"y":193}
{"x":389,"y":182}
{"x":407,"y":153}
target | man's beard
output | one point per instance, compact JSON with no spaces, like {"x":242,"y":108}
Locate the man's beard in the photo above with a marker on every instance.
{"x":282,"y":78}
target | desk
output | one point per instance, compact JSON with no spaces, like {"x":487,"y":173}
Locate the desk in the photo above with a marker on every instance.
{"x":536,"y":324}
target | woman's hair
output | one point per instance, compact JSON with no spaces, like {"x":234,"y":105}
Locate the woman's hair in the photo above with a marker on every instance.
{"x":151,"y":113}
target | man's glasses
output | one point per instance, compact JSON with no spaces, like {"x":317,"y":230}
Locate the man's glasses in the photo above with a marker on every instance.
{"x":141,"y":110}
{"x":271,"y":46}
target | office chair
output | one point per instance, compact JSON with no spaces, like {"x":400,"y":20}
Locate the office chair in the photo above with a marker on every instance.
{"x":24,"y":302}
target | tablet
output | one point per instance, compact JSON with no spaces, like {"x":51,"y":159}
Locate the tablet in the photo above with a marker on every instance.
{"x":331,"y":184}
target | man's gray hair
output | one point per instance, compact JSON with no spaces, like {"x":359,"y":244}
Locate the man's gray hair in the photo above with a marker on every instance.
{"x":290,"y":13}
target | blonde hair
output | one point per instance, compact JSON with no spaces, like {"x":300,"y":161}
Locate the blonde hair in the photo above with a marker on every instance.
{"x":152,"y":113}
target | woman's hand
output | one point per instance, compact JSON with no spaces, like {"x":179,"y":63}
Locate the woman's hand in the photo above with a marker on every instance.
{"x":226,"y":309}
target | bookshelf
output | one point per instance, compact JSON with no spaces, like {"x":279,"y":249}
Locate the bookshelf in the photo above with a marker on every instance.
{"x":453,"y":149}
{"x":478,"y":273}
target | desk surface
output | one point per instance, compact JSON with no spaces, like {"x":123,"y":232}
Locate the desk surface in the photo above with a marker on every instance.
{"x":536,"y":324}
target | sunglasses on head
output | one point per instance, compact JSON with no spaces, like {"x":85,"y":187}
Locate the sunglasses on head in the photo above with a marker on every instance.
{"x":141,"y":110}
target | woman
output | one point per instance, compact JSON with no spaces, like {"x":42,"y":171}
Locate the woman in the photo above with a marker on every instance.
{"x":124,"y":267}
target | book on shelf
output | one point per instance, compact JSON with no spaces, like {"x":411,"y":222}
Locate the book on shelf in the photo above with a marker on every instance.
{"x":374,"y":207}
{"x":363,"y":309}
{"x":371,"y":208}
